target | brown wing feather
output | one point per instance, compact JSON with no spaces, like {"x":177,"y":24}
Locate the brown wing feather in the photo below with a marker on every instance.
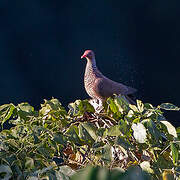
{"x":105,"y":87}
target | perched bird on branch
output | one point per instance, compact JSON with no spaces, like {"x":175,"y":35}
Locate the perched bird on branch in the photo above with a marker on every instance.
{"x":98,"y":86}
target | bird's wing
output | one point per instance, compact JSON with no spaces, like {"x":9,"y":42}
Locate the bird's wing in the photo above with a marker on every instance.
{"x":105,"y":87}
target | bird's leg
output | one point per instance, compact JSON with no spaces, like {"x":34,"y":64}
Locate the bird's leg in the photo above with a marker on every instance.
{"x":94,"y":103}
{"x":100,"y":106}
{"x":97,"y":104}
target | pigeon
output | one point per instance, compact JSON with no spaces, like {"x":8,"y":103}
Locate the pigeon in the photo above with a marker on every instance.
{"x":98,"y":86}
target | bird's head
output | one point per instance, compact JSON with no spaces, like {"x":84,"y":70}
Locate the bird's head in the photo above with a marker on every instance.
{"x":88,"y":54}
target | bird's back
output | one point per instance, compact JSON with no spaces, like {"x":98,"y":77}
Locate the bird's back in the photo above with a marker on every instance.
{"x":105,"y":87}
{"x":100,"y":87}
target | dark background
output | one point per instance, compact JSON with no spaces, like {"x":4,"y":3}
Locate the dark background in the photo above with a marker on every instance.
{"x":136,"y":42}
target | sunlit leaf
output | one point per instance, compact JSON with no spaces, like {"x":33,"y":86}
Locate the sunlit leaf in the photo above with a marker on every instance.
{"x":171,"y":129}
{"x":145,"y":165}
{"x":112,"y":105}
{"x":42,"y":142}
{"x":178,"y":132}
{"x":136,"y":120}
{"x":29,"y":164}
{"x":6,"y":112}
{"x":133,"y":107}
{"x":119,"y":105}
{"x":168,"y":175}
{"x":175,"y":153}
{"x":26,"y":107}
{"x":114,"y":131}
{"x":130,"y":113}
{"x":79,"y":107}
{"x":87,"y":106}
{"x":140,"y":106}
{"x":139,"y":132}
{"x":169,"y":106}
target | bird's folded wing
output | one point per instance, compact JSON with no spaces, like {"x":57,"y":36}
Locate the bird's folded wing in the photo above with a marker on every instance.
{"x":105,"y":87}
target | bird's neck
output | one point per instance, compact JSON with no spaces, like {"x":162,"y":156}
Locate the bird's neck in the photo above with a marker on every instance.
{"x":91,"y":64}
{"x":91,"y":69}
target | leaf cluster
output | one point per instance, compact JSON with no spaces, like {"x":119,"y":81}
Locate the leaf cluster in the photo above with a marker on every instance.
{"x":123,"y":139}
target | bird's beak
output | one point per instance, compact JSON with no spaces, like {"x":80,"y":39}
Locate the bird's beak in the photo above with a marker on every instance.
{"x":83,"y":56}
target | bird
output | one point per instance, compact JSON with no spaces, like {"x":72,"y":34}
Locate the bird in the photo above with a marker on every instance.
{"x":100,"y":87}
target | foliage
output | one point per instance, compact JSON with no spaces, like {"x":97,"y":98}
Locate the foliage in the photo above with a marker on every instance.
{"x":121,"y":141}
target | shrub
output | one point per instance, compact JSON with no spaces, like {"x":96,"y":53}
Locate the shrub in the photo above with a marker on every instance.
{"x":121,"y":141}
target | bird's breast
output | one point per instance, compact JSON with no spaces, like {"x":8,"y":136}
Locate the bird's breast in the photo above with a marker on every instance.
{"x":89,"y":81}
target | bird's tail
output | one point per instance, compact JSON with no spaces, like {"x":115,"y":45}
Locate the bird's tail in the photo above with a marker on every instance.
{"x":131,"y":90}
{"x":131,"y":99}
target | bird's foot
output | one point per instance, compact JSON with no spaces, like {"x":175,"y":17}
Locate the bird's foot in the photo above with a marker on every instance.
{"x":99,"y":109}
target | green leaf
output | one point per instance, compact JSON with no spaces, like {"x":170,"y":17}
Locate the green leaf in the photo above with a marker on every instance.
{"x":178,"y":132}
{"x":34,"y":178}
{"x":145,"y":165}
{"x":55,"y":104}
{"x":169,"y":106}
{"x":136,"y":120}
{"x":112,"y":105}
{"x":73,"y":131}
{"x":6,"y":112}
{"x":175,"y":153}
{"x":91,"y":130}
{"x":139,"y":132}
{"x":134,"y":108}
{"x":123,"y":102}
{"x":79,"y":107}
{"x":52,"y":106}
{"x":26,"y":107}
{"x":60,"y":139}
{"x":87,"y":132}
{"x":130,"y":113}
{"x":6,"y":171}
{"x":171,"y":129}
{"x":91,"y":173}
{"x":114,"y":131}
{"x":150,"y":125}
{"x":148,"y":106}
{"x":123,"y":142}
{"x":117,"y":173}
{"x":123,"y":125}
{"x":65,"y":170}
{"x":140,"y":106}
{"x":29,"y":163}
{"x":25,"y":111}
{"x":87,"y":106}
{"x":106,"y":153}
{"x":119,"y":105}
{"x":100,"y":131}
